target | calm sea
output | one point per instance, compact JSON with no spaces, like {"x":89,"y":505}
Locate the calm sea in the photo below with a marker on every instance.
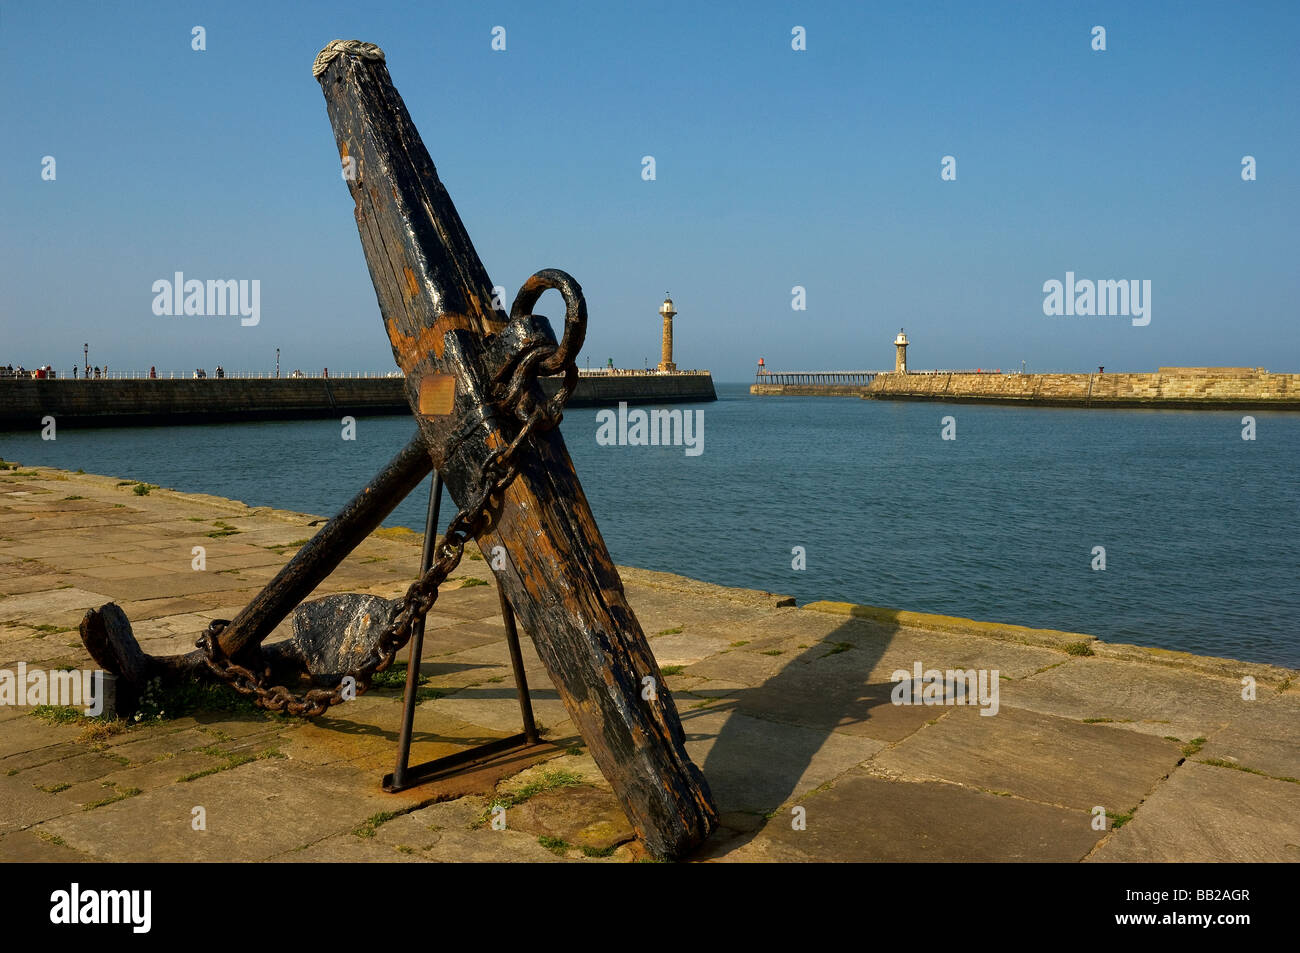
{"x":1198,"y":525}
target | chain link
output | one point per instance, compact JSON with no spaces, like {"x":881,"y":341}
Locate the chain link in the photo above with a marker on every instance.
{"x":497,"y":473}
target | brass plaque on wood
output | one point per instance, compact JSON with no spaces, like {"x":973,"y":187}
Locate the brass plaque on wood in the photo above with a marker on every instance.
{"x":437,"y":394}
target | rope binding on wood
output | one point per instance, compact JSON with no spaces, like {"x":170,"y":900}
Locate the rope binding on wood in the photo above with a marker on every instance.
{"x":333,"y":48}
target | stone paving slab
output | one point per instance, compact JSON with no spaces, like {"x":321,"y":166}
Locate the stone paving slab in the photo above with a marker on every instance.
{"x":155,"y":774}
{"x":496,"y":706}
{"x":581,"y":815}
{"x":30,"y":847}
{"x":680,"y":648}
{"x":39,"y":649}
{"x":58,"y":602}
{"x":20,"y":582}
{"x":1252,"y":740}
{"x":26,"y":742}
{"x":347,"y":849}
{"x":1146,"y":698}
{"x":1035,"y":757}
{"x":252,"y":813}
{"x":79,"y":767}
{"x":863,"y":818}
{"x":729,"y":745}
{"x":1212,"y":814}
{"x":782,"y":707}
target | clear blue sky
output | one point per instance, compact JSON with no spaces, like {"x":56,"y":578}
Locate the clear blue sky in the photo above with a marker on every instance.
{"x":775,"y":168}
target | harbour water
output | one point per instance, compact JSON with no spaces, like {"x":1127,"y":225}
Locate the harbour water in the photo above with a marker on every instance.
{"x":1199,"y":526}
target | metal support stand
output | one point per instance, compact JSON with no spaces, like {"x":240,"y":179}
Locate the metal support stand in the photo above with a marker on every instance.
{"x":403,"y":775}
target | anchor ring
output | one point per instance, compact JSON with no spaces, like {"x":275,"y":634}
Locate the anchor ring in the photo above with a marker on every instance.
{"x":575,"y":314}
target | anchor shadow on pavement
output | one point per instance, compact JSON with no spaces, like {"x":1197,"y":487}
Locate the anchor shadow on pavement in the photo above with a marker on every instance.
{"x":765,"y":748}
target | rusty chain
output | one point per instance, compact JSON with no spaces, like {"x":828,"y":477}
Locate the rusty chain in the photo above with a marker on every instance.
{"x":514,"y":394}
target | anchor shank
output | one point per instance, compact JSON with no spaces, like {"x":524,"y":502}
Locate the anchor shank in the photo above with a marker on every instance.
{"x":436,"y":299}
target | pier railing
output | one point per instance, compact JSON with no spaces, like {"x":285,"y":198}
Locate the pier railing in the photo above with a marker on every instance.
{"x":850,"y":378}
{"x":633,"y":372}
{"x":815,"y":378}
{"x":211,"y":374}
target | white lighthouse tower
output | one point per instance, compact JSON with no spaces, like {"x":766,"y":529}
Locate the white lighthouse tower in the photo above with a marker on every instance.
{"x":900,"y":355}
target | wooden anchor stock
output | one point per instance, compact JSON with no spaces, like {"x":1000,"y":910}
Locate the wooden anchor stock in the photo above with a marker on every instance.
{"x":435,"y":297}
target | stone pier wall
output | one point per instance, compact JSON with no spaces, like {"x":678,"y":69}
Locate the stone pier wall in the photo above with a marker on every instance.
{"x":119,"y":403}
{"x":1191,"y":388}
{"x":1195,"y":390}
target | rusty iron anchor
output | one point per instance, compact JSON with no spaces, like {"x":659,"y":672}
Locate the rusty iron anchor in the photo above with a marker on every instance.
{"x":488,"y":429}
